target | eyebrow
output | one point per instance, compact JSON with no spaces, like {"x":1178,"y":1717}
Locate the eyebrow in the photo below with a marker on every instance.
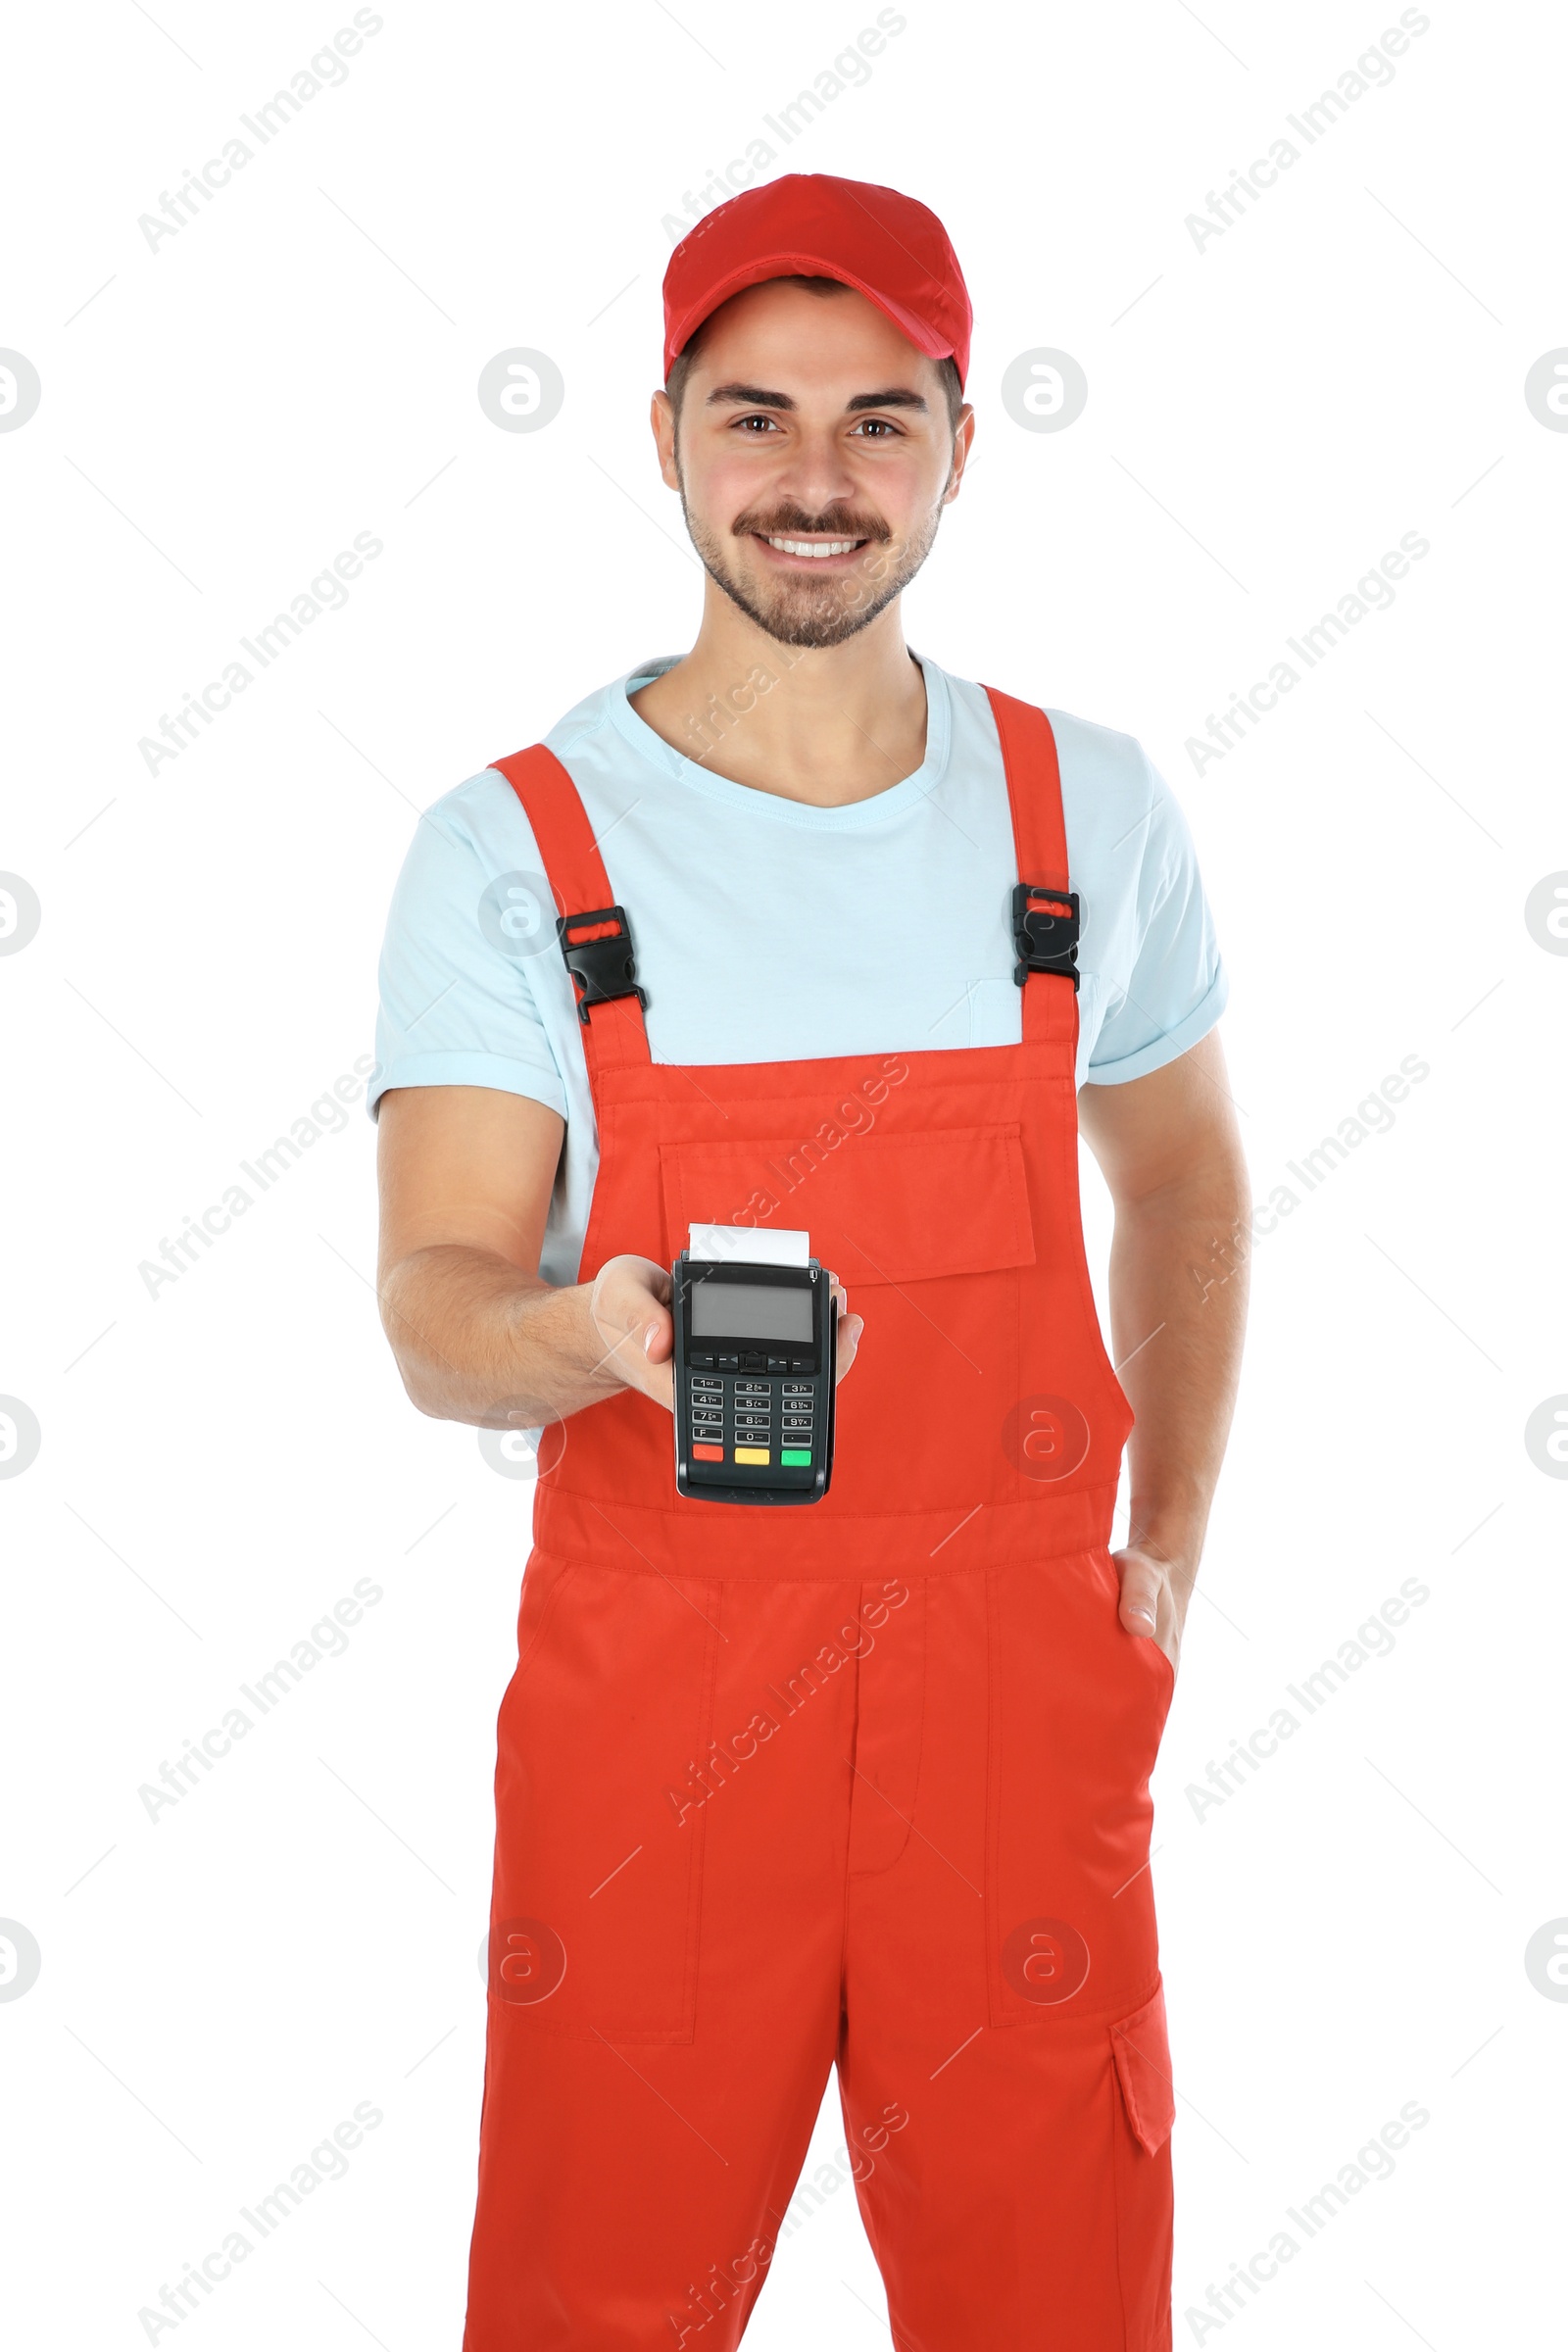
{"x":755,"y":396}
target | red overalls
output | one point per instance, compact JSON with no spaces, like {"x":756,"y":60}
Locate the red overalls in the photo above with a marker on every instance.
{"x":864,"y":1783}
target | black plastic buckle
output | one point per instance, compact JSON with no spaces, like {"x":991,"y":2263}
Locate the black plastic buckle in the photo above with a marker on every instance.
{"x":1045,"y":931}
{"x":598,"y":953}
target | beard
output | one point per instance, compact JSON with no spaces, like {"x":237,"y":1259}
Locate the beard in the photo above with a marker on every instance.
{"x":795,"y":608}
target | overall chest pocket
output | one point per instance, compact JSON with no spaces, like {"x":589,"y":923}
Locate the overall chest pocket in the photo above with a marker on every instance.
{"x":931,"y":1235}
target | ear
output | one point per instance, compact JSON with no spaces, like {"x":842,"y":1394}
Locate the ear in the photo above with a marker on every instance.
{"x":961,"y":440}
{"x":662,"y":417}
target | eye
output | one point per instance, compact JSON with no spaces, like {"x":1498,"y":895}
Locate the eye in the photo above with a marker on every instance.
{"x":874,"y":428}
{"x":760,"y":417}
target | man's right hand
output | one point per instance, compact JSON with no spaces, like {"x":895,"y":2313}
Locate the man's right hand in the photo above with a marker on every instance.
{"x":467,"y":1178}
{"x":629,"y":1303}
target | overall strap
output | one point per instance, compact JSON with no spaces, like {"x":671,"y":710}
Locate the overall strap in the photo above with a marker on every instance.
{"x":1045,"y":911}
{"x":593,"y":933}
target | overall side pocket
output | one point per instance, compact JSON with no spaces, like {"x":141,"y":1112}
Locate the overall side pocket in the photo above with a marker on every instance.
{"x":597,"y":1879}
{"x":1146,"y":2103}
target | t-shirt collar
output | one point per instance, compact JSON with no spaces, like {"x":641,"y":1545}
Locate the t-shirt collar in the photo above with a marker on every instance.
{"x":879,"y":809}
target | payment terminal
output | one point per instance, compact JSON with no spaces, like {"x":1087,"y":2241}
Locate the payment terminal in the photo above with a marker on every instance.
{"x":756,"y":1362}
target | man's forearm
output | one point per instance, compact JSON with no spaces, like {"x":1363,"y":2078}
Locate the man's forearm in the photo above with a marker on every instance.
{"x":1178,"y":1309}
{"x":477,"y":1339}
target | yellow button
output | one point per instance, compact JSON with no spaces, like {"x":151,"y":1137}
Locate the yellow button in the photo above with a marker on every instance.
{"x":753,"y":1454}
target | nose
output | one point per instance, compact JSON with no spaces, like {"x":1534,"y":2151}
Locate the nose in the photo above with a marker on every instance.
{"x":815,"y":475}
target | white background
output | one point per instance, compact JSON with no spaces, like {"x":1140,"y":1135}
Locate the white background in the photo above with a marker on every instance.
{"x":222,"y":1462}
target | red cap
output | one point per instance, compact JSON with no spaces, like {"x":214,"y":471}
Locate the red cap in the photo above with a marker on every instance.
{"x":808,"y":224}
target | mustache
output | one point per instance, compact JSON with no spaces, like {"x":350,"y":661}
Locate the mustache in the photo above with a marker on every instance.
{"x":791,"y":522}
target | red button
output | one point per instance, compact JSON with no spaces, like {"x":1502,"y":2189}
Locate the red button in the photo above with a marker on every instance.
{"x":708,"y":1454}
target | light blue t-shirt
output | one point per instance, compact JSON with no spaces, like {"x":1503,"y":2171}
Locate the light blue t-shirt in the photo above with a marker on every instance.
{"x":765,"y":930}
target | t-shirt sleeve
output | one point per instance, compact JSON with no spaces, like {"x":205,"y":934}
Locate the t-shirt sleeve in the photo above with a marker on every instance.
{"x":1169,"y":986}
{"x":456,"y":999}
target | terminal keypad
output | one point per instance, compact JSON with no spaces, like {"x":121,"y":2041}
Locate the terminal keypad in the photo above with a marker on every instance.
{"x":752,"y":1408}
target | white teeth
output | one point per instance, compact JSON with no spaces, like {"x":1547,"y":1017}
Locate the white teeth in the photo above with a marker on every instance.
{"x":813,"y":546}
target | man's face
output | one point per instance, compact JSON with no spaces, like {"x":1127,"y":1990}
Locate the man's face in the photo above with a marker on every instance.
{"x":809,"y":424}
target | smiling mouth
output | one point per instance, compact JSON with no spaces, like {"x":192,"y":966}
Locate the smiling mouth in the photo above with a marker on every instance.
{"x":816,"y":549}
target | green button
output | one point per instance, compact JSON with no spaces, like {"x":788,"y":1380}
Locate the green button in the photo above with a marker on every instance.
{"x":796,"y":1458}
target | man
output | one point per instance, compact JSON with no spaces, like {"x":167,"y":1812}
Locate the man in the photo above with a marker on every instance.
{"x":865,"y":1784}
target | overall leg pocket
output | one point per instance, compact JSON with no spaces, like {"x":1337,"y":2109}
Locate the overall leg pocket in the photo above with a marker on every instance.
{"x":1147,"y":2110}
{"x":599,"y":1847}
{"x":1074,"y":1716}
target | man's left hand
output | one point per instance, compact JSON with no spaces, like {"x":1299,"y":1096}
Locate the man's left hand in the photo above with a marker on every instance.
{"x":1155,"y":1593}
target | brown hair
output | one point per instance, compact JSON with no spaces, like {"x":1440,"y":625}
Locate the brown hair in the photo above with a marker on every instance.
{"x":682,"y":365}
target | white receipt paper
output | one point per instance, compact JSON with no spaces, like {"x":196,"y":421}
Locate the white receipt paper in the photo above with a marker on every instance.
{"x":753,"y":1244}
